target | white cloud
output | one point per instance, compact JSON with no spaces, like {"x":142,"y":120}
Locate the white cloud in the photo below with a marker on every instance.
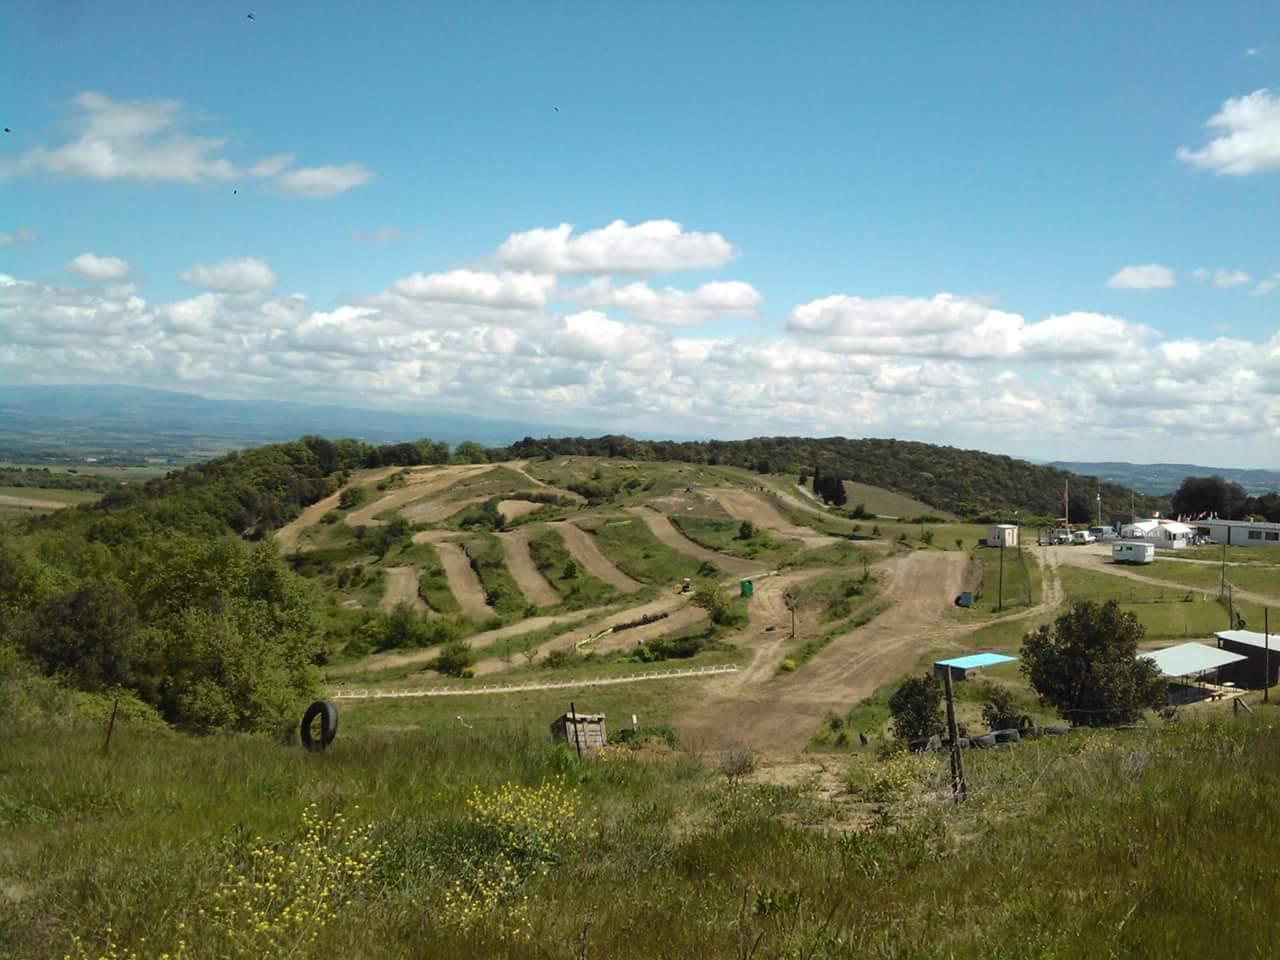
{"x":146,"y":140}
{"x":655,"y":246}
{"x":506,"y":289}
{"x":272,"y":166}
{"x":328,"y":181}
{"x":1267,"y":286}
{"x":668,"y":306}
{"x":1143,"y":276}
{"x":1226,"y":279}
{"x":231,"y":276}
{"x":20,"y":236}
{"x":1201,"y":274}
{"x":90,"y":266}
{"x":1247,"y":137}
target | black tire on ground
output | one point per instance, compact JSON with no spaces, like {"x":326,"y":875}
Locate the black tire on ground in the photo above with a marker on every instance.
{"x":328,"y":715}
{"x":1056,"y":731}
{"x":1007,"y":736}
{"x":986,"y":740}
{"x":1028,"y":727}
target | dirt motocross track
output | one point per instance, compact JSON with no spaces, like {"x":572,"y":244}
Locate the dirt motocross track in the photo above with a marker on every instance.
{"x":583,"y":547}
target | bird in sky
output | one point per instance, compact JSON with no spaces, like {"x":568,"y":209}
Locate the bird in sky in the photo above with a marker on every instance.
{"x":251,"y":16}
{"x":7,"y":130}
{"x":557,"y":109}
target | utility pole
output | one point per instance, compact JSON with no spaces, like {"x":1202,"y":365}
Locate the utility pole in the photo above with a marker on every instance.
{"x":1001,"y":601}
{"x":1099,"y":506}
{"x":1266,"y":655}
{"x":959,"y":788}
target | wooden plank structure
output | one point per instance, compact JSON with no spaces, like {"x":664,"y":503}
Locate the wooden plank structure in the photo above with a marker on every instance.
{"x":584,"y":732}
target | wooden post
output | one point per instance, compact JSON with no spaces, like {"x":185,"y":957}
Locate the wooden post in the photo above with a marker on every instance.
{"x":959,"y":788}
{"x":573,"y":717}
{"x":111,"y":725}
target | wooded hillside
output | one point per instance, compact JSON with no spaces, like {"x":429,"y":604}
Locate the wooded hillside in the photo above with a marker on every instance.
{"x":965,"y":482}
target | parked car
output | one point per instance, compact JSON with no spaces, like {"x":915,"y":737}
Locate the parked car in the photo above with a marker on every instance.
{"x":1081,"y":537}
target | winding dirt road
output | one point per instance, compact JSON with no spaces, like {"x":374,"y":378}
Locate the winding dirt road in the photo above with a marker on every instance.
{"x":402,"y":587}
{"x":583,"y":548}
{"x":667,"y":532}
{"x":745,"y":505}
{"x":423,"y":482}
{"x":463,"y":582}
{"x":535,"y":587}
{"x":288,"y":535}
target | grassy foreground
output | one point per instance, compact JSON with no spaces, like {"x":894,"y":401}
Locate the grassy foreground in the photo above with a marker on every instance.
{"x":489,"y":841}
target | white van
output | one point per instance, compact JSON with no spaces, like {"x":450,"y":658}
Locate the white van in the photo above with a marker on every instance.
{"x":1131,"y":552}
{"x":1082,"y":536}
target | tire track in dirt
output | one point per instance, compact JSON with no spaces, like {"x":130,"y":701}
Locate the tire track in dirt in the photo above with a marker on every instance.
{"x":660,"y":526}
{"x":463,"y":582}
{"x":420,"y":484}
{"x":535,"y":587}
{"x":288,"y":535}
{"x":583,"y":548}
{"x":775,"y":713}
{"x":402,"y":587}
{"x":746,"y":505}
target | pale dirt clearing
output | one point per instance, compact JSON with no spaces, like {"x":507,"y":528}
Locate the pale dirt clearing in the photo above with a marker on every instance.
{"x":402,"y":587}
{"x":31,"y":503}
{"x":583,"y":548}
{"x":288,"y":535}
{"x":385,"y":661}
{"x":463,"y":582}
{"x":662,"y":528}
{"x":535,"y":587}
{"x":746,"y":505}
{"x":775,"y":713}
{"x":515,"y":509}
{"x":422,"y":482}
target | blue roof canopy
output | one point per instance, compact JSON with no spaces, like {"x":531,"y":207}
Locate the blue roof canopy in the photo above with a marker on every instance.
{"x":975,"y":660}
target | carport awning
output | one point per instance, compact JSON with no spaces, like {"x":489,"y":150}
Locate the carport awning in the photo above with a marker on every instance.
{"x":976,"y":660}
{"x":1190,"y":659}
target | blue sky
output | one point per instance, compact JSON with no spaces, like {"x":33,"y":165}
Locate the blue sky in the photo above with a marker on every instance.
{"x":889,"y":186}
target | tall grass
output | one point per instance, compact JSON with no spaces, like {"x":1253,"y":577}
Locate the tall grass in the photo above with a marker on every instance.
{"x":1129,"y":843}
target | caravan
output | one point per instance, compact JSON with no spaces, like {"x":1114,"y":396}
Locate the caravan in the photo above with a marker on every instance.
{"x":1133,"y":552}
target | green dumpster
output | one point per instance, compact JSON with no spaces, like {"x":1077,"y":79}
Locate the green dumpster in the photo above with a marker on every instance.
{"x":747,"y":589}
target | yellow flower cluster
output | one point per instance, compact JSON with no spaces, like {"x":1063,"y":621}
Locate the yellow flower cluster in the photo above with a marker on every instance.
{"x":531,"y":825}
{"x":111,"y":950}
{"x":277,"y":904}
{"x":614,"y":753}
{"x":891,"y":779}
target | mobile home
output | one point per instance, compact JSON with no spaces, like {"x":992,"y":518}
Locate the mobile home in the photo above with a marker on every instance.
{"x":1133,"y":552}
{"x":1240,"y":533}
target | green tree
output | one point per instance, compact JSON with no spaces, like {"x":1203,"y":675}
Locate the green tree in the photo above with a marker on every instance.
{"x":470,"y":452}
{"x":713,"y":599}
{"x":746,"y":530}
{"x":86,"y":635}
{"x":1085,"y":664}
{"x":917,"y":708}
{"x":352,"y":497}
{"x":454,"y":659}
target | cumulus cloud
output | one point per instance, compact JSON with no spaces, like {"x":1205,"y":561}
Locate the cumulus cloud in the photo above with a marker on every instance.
{"x":1230,"y":278}
{"x":382,"y":235}
{"x":17,"y":237}
{"x":148,"y":141}
{"x":506,"y":289}
{"x":1143,"y":276}
{"x":1245,"y":137}
{"x":328,"y":181}
{"x":1267,"y":286}
{"x":90,"y":266}
{"x":231,"y":276}
{"x":655,"y":246}
{"x":668,"y":306}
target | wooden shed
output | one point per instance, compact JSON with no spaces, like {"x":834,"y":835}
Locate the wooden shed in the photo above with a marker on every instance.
{"x":585,"y":731}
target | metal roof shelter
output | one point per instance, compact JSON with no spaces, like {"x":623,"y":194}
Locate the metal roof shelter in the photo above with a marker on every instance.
{"x":961,"y":667}
{"x":1190,"y":659}
{"x":1250,"y":638}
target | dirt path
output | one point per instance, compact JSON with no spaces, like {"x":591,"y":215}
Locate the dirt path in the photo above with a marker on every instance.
{"x":422,"y":483}
{"x":521,"y":467}
{"x":288,"y":535}
{"x":1090,"y":560}
{"x":434,"y":510}
{"x":32,"y":504}
{"x":780,"y":713}
{"x":402,"y":587}
{"x":463,"y":582}
{"x":535,"y":587}
{"x":583,"y":547}
{"x":666,"y":531}
{"x":442,"y":691}
{"x":515,"y":509}
{"x":746,"y":505}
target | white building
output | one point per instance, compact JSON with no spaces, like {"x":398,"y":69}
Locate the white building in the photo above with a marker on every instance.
{"x":1165,"y":534}
{"x":1002,"y":535}
{"x":1240,"y":533}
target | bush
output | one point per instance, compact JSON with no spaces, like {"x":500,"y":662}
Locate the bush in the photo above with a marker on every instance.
{"x":1000,"y":711}
{"x":787,"y":666}
{"x":917,"y":708}
{"x":454,"y":660}
{"x":737,"y":762}
{"x":638,"y":736}
{"x":352,"y":497}
{"x":562,"y":658}
{"x":746,"y":530}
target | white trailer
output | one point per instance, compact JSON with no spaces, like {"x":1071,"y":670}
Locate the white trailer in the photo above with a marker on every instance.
{"x":1128,"y":551}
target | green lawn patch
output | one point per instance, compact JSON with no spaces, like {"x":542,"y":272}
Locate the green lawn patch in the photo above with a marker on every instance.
{"x":635,"y":551}
{"x":578,"y":589}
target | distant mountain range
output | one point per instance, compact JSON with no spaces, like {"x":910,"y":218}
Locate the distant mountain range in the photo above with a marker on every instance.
{"x":134,"y":419}
{"x":1164,"y":478}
